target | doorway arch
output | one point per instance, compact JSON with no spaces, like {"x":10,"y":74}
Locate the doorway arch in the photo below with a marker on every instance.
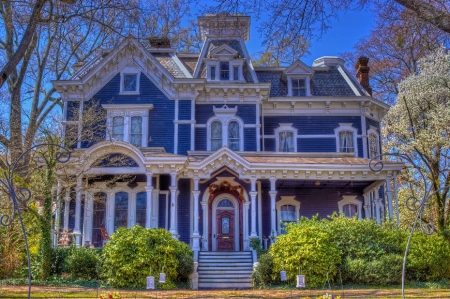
{"x":226,"y":223}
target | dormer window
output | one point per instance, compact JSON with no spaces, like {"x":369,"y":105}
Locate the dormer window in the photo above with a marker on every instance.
{"x":298,"y":87}
{"x":224,"y":70}
{"x":212,"y":72}
{"x":129,"y":81}
{"x":224,"y":64}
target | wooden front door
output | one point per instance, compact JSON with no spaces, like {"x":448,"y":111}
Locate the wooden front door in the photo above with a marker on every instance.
{"x":225,"y":230}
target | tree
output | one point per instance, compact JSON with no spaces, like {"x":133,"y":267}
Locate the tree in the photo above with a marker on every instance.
{"x":394,"y":47}
{"x":418,"y":125}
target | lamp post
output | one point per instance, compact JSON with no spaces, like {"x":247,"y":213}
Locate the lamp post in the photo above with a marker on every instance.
{"x":20,"y":196}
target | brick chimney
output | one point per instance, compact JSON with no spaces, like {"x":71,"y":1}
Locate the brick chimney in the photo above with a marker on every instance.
{"x":362,"y":73}
{"x":159,"y":42}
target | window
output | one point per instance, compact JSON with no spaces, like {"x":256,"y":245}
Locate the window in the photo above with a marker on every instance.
{"x":129,"y":82}
{"x":141,"y":205}
{"x":213,"y":73}
{"x":216,"y":135}
{"x":350,"y":206}
{"x":287,"y":214}
{"x":233,"y":136}
{"x":373,"y":145}
{"x":286,"y":141}
{"x":235,"y":73}
{"x":346,"y":142}
{"x":136,"y":131}
{"x":99,"y":219}
{"x":224,"y":70}
{"x":298,"y":87}
{"x":287,"y":211}
{"x":118,"y":128}
{"x":121,"y":210}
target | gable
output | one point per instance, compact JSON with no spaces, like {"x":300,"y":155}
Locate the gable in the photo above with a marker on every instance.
{"x":298,"y":68}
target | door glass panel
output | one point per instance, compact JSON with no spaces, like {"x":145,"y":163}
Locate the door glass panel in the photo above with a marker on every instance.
{"x":225,"y":225}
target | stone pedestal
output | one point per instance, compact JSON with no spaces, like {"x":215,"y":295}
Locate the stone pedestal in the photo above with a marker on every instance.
{"x":194,"y":280}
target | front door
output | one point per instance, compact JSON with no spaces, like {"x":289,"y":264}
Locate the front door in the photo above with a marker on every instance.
{"x":225,"y":230}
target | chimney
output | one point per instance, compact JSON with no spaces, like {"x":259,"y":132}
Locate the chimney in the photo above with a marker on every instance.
{"x":77,"y":66}
{"x":159,"y":42}
{"x":362,"y":73}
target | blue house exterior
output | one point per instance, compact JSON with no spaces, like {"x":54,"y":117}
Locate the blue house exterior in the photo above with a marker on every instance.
{"x":216,"y":150}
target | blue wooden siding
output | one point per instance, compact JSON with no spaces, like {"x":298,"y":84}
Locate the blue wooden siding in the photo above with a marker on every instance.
{"x":269,"y":144}
{"x":184,"y":138}
{"x":371,"y":122}
{"x":184,"y":199}
{"x":246,"y":112}
{"x":265,"y":206}
{"x":164,"y":182}
{"x":359,"y":141}
{"x":162,"y":211}
{"x":249,"y":139}
{"x":311,"y":125}
{"x":312,"y":145}
{"x":200,"y":139}
{"x":72,"y":106}
{"x":184,"y":110}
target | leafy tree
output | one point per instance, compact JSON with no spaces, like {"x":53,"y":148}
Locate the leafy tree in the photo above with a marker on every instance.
{"x":419,"y":125}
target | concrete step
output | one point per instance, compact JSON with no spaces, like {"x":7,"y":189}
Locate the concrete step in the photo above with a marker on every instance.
{"x":224,"y":285}
{"x":229,"y":270}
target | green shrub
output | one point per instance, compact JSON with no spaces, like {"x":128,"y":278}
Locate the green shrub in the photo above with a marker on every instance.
{"x":132,"y":252}
{"x":262,"y":275}
{"x":386,"y":270}
{"x":309,"y":245}
{"x":59,"y":256}
{"x":255,"y":243}
{"x":428,"y":258}
{"x":83,"y":263}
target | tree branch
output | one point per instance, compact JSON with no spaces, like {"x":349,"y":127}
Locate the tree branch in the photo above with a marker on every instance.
{"x":428,"y":13}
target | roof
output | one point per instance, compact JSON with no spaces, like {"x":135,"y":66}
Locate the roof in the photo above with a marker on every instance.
{"x":278,"y":87}
{"x":169,"y":64}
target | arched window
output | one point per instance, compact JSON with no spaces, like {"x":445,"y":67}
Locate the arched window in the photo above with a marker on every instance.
{"x":141,"y":205}
{"x":350,"y":206}
{"x":216,"y":135}
{"x":233,"y":136}
{"x":99,"y":218}
{"x":121,"y":210}
{"x":118,"y":126}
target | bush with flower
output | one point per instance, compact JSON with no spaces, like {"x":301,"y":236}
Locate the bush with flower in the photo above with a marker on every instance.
{"x":109,"y":295}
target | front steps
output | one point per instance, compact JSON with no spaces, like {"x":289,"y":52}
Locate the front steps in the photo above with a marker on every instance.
{"x":225,"y":269}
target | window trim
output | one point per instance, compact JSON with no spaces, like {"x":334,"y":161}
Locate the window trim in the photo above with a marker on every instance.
{"x":346,"y":127}
{"x":130,"y":71}
{"x":285,"y":127}
{"x":225,"y":123}
{"x":286,"y":200}
{"x":373,"y":130}
{"x":307,"y":85}
{"x":232,"y":63}
{"x":350,"y":199}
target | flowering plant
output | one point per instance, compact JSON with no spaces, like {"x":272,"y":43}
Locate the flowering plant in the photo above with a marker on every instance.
{"x":114,"y":295}
{"x":328,"y":296}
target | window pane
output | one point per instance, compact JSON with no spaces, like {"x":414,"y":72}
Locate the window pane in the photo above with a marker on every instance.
{"x":299,"y":92}
{"x":349,"y":210}
{"x":130,"y":82}
{"x":141,"y":206}
{"x":286,"y":140}
{"x":298,"y":87}
{"x":216,"y":135}
{"x":136,"y":131}
{"x":346,"y":142}
{"x":236,"y":73}
{"x":213,"y":73}
{"x":121,"y":210}
{"x":287,"y":213}
{"x":373,"y":145}
{"x":117,"y":130}
{"x":99,"y":220}
{"x":224,"y":70}
{"x":233,"y":135}
{"x":225,"y":225}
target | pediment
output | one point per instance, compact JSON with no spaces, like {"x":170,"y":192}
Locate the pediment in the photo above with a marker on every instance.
{"x":224,"y":50}
{"x":298,"y":68}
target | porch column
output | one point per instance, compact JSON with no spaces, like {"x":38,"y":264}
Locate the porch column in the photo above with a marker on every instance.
{"x":173,"y":205}
{"x":245,"y":221}
{"x":273,"y":197}
{"x":148,"y":208}
{"x":155,"y":209}
{"x":110,"y":212}
{"x":367,"y":208}
{"x":377,"y":205}
{"x":66,"y":209}
{"x":397,"y":212}
{"x":57,"y":224}
{"x":76,"y":230}
{"x":389,"y":198}
{"x":253,"y":194}
{"x":205,"y":226}
{"x":88,"y":218}
{"x":195,"y":233}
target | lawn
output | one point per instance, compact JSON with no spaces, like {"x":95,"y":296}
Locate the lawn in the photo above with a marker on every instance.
{"x":72,"y":292}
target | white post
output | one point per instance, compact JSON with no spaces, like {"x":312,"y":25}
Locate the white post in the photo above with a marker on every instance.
{"x":195,"y":233}
{"x":389,"y":198}
{"x":396,"y":198}
{"x":148,"y":208}
{"x":245,"y":221}
{"x":205,"y":241}
{"x":76,"y":230}
{"x":377,"y":206}
{"x":110,"y":211}
{"x":173,"y":203}
{"x":88,"y":218}
{"x":57,"y":215}
{"x":66,"y":209}
{"x":367,"y":209}
{"x":253,"y":195}
{"x":273,"y":215}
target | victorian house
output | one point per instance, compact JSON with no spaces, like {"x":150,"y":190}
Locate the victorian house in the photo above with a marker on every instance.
{"x":219,"y":151}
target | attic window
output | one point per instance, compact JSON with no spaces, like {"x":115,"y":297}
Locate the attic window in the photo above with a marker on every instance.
{"x":129,"y":81}
{"x":298,"y":87}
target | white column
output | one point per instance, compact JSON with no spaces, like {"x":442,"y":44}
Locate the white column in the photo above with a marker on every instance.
{"x":57,"y":224}
{"x":66,"y":209}
{"x":88,"y":218}
{"x":110,"y":210}
{"x":173,"y":205}
{"x":396,"y":198}
{"x":195,"y":233}
{"x":76,"y":230}
{"x":155,"y":209}
{"x":377,"y":206}
{"x":245,"y":221}
{"x":367,"y":209}
{"x":389,"y":199}
{"x":148,"y":207}
{"x":131,"y":209}
{"x":205,"y":226}
{"x":273,"y":217}
{"x":253,"y":195}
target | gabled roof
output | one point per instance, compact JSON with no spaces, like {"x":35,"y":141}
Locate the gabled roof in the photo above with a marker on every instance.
{"x":298,"y":68}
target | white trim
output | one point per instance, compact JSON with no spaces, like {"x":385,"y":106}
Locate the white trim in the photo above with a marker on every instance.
{"x":364,"y":136}
{"x":225,"y":117}
{"x":214,"y":222}
{"x":281,"y":128}
{"x":348,"y":80}
{"x":286,"y":200}
{"x":175,"y":133}
{"x":346,"y":127}
{"x":350,"y":199}
{"x":130,"y":71}
{"x":193,"y":125}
